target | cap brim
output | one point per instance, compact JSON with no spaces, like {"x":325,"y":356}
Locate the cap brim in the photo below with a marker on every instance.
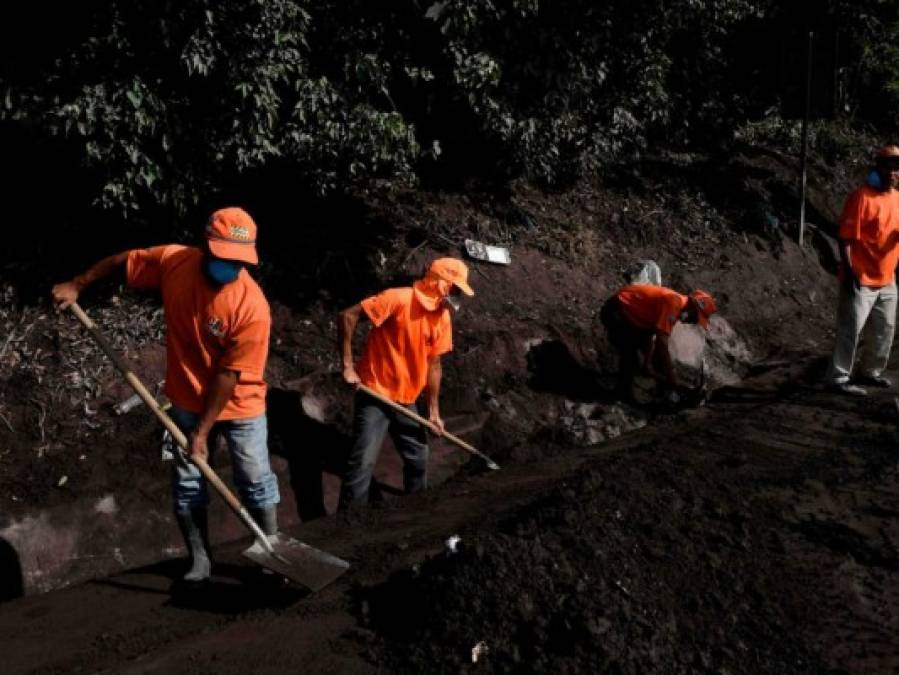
{"x":465,"y":287}
{"x":227,"y":250}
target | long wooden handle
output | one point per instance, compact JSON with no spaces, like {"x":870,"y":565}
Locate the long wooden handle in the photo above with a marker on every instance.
{"x":421,"y":420}
{"x":170,"y":426}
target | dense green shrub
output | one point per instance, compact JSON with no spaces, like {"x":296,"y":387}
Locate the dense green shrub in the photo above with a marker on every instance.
{"x":165,"y":102}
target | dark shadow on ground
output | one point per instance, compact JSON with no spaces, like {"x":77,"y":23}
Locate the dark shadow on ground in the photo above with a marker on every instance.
{"x":555,"y":370}
{"x":311,"y":448}
{"x":233,"y":589}
{"x":12,"y":585}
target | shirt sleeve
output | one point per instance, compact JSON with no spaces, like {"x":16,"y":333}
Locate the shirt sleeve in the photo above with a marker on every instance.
{"x":852,"y":216}
{"x":380,"y":307}
{"x":247,"y":349}
{"x":444,"y":338}
{"x":670,"y":314}
{"x":143,"y":269}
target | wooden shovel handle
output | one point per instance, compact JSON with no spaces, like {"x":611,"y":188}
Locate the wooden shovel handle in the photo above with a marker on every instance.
{"x":151,"y":402}
{"x":427,"y":423}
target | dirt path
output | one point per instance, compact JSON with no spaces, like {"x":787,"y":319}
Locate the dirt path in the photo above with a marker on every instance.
{"x":756,"y":535}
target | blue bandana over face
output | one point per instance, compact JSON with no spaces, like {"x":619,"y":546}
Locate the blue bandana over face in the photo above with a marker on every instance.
{"x":222,"y":271}
{"x":874,"y":180}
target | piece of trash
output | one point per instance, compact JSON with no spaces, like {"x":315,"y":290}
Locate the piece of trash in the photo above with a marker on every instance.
{"x":494,"y":254}
{"x":127,"y":405}
{"x":107,"y":505}
{"x":452,"y":544}
{"x":134,"y":401}
{"x":645,"y":272}
{"x":479,"y":650}
{"x":62,"y":481}
{"x":167,"y":448}
{"x":622,"y":587}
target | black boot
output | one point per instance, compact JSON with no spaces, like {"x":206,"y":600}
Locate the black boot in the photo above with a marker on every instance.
{"x":194,"y":527}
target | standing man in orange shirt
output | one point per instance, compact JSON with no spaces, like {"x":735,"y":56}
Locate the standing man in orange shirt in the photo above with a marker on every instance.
{"x":218,"y":325}
{"x":640,"y":318}
{"x":411,"y":329}
{"x":869,"y":251}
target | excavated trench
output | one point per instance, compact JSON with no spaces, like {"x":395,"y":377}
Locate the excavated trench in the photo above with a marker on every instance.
{"x":568,"y":402}
{"x":94,"y":538}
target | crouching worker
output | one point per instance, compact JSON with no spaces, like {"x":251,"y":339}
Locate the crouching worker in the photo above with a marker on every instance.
{"x":639,"y":320}
{"x":217,"y":332}
{"x":411,"y":329}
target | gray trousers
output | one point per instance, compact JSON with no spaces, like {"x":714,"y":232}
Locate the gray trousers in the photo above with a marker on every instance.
{"x":371,"y":422}
{"x":871,"y":309}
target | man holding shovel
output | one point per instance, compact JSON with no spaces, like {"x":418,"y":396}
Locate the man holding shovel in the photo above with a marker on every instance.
{"x":411,"y":330}
{"x":218,"y":325}
{"x":639,"y":319}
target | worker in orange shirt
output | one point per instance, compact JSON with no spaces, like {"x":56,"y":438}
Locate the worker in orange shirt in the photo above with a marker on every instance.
{"x":639,"y":319}
{"x":411,"y":330}
{"x":217,"y":333}
{"x":869,"y":250}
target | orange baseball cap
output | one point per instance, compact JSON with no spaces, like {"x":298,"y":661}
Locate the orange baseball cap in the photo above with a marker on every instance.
{"x":888,"y":152}
{"x":706,"y":305}
{"x":452,"y":270}
{"x":231,"y":234}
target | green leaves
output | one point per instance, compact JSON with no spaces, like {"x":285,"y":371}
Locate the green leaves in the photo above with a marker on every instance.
{"x":166,"y":102}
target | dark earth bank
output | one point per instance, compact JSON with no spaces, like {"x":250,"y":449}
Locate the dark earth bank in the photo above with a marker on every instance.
{"x":755,"y":535}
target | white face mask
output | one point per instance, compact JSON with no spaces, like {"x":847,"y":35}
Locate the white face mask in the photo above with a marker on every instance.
{"x":455,"y":304}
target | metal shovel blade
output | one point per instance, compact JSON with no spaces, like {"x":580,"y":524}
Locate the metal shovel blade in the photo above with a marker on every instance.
{"x":307,"y":565}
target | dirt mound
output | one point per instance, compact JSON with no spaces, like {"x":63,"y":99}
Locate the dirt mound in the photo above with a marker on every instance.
{"x":599,"y":577}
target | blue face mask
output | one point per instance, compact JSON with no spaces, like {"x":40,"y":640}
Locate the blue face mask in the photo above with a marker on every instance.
{"x":222,"y":271}
{"x":874,"y":180}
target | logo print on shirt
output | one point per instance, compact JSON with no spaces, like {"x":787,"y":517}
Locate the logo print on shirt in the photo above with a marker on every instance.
{"x":216,"y":327}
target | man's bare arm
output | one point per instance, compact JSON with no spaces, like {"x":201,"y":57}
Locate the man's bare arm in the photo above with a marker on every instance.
{"x":435,"y":374}
{"x":845,"y":258}
{"x":67,"y":292}
{"x":663,"y":354}
{"x":347,"y":321}
{"x":221,"y":388}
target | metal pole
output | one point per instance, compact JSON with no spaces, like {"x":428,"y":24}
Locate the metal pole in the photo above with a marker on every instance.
{"x":803,"y":158}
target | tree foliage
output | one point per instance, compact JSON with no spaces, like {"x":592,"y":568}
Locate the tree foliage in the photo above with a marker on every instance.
{"x":166,"y":101}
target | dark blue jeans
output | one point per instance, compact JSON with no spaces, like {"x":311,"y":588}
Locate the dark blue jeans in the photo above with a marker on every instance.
{"x":372,"y":420}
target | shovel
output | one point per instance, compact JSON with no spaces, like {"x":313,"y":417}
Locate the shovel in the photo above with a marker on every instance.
{"x":290,"y":558}
{"x":437,"y":432}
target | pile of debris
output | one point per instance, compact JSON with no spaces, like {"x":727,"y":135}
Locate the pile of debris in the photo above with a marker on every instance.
{"x":601,"y":576}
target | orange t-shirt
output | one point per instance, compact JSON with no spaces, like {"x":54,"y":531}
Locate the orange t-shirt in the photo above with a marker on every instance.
{"x":405,"y":337}
{"x":870,"y":222}
{"x":209,"y":329}
{"x":651,"y":307}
